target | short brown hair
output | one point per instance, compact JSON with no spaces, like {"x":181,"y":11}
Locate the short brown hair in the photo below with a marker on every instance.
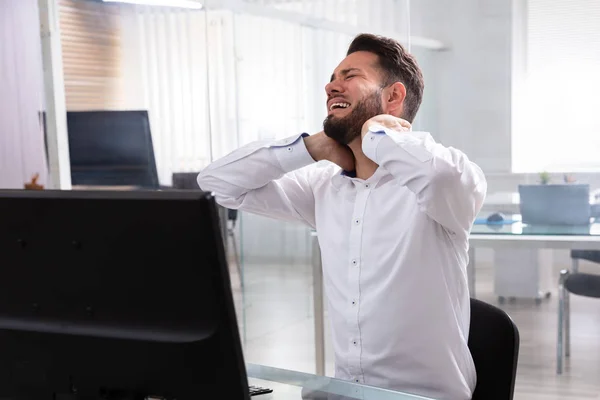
{"x":397,"y":65}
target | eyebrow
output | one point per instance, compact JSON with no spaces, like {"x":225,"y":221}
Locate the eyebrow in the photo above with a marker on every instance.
{"x":344,"y":72}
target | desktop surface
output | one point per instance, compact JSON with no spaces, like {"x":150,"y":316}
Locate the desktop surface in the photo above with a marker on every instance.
{"x":294,"y":385}
{"x":516,"y":227}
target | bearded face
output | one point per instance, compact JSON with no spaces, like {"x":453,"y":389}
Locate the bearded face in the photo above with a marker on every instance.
{"x":346,"y":126}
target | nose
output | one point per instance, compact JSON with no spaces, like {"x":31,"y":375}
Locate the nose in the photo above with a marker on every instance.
{"x":333,"y":87}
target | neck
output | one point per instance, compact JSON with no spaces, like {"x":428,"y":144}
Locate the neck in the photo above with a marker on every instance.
{"x":365,"y":167}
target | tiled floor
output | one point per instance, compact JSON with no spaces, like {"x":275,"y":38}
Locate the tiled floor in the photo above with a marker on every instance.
{"x":275,"y":315}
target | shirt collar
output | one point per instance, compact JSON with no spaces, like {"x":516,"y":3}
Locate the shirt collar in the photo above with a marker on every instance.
{"x":346,"y":177}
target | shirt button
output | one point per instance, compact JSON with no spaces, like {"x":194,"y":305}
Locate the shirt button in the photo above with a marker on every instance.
{"x":354,"y":342}
{"x":357,"y":221}
{"x":289,"y":149}
{"x":353,"y":302}
{"x":354,"y":262}
{"x":367,"y":186}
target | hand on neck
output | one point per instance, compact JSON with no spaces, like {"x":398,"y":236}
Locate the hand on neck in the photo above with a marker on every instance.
{"x":365,"y":167}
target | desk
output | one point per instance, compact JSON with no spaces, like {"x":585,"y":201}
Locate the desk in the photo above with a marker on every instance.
{"x":293,"y":385}
{"x":523,"y":236}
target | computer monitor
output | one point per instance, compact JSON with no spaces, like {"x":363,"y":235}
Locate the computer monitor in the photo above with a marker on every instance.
{"x":115,"y":295}
{"x":567,"y":204}
{"x":111,"y":148}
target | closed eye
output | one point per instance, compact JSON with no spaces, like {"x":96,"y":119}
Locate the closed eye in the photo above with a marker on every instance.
{"x":350,"y":76}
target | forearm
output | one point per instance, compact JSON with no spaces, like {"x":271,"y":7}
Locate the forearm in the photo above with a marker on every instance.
{"x":321,"y":147}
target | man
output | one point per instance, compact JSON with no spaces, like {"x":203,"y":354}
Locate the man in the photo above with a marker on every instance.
{"x":393,"y":222}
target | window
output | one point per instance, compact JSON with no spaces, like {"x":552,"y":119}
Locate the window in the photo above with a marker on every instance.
{"x":556,"y":98}
{"x":91,"y":51}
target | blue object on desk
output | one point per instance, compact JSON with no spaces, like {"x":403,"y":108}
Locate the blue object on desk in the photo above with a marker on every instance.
{"x":494,"y":221}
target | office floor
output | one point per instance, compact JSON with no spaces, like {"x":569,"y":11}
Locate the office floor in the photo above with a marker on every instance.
{"x":276,"y":324}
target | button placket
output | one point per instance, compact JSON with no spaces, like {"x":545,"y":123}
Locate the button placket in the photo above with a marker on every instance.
{"x":355,"y":266}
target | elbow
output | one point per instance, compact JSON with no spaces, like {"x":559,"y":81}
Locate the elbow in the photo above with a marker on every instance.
{"x":203,"y":181}
{"x":207,"y":182}
{"x":225,"y":195}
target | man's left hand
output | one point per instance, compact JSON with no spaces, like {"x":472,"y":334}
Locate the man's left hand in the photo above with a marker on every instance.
{"x":387,"y":121}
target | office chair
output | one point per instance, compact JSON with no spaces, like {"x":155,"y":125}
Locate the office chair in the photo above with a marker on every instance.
{"x":578,"y":283}
{"x":187,"y":181}
{"x":494,"y":345}
{"x":589,"y":255}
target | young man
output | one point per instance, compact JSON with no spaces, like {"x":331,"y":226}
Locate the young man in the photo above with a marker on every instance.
{"x":393,"y":222}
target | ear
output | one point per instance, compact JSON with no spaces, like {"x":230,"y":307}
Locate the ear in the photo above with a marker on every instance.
{"x":394,"y":99}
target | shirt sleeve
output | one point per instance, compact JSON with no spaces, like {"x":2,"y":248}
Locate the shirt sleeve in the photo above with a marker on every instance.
{"x":265,"y":178}
{"x":448,"y":186}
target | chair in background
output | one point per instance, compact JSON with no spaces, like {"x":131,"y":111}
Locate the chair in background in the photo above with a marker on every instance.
{"x":228,"y":217}
{"x":589,"y":255}
{"x":578,"y":283}
{"x":494,"y":345}
{"x":111,"y":148}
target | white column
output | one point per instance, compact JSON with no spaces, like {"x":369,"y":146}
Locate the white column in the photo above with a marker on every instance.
{"x":319,"y":310}
{"x":54,"y":89}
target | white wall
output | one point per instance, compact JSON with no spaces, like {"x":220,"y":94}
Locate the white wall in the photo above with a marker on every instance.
{"x":470,"y":82}
{"x":22,"y":153}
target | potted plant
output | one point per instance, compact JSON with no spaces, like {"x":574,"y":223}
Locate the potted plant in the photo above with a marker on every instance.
{"x":544,"y":178}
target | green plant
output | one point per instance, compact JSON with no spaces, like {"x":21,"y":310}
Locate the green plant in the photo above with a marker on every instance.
{"x":544,"y":178}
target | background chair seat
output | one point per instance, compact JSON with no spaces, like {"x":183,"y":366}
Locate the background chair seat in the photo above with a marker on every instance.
{"x":583,"y":284}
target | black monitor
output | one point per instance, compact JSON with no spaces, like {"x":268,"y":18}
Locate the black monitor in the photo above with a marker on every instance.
{"x":115,"y":295}
{"x":111,"y":148}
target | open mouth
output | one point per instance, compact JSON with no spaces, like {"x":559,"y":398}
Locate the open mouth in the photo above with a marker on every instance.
{"x":335,"y":106}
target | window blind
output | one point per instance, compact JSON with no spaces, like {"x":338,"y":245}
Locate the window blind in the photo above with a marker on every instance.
{"x":560,"y":118}
{"x":91,"y":50}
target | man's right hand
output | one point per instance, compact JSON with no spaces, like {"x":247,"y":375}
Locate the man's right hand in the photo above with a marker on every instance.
{"x":322,"y":147}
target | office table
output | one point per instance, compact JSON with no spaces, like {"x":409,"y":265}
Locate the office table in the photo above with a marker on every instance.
{"x":518,"y":236}
{"x":294,"y":385}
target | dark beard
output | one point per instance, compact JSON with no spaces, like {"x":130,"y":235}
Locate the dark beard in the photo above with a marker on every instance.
{"x":345,"y":130}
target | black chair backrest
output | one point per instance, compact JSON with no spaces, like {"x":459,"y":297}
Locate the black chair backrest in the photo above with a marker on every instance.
{"x":110,"y":148}
{"x":185,"y":180}
{"x":589,"y":255}
{"x":494,"y":346}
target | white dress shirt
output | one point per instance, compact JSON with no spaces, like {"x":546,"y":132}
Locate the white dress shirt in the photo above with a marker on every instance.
{"x":394,"y":250}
